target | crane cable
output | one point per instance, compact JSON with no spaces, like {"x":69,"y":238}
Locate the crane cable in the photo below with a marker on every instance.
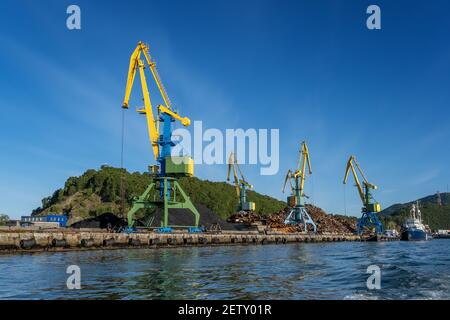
{"x":345,"y":200}
{"x":122,"y":173}
{"x":122,"y":138}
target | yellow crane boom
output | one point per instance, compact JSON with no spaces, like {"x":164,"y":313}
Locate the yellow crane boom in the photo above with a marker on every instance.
{"x":135,"y":62}
{"x":234,"y":166}
{"x":369,"y":220}
{"x":241,"y":184}
{"x":153,"y":125}
{"x":305,"y":161}
{"x":302,"y":162}
{"x":289,"y":177}
{"x":296,"y":201}
{"x":353,"y":165}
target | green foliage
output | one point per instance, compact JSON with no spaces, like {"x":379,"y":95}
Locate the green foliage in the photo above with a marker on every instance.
{"x":437,"y":217}
{"x":3,"y":219}
{"x":221,"y":197}
{"x":80,"y":194}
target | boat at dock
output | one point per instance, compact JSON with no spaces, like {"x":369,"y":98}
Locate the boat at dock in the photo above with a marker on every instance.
{"x":413,"y":228}
{"x":442,"y":234}
{"x":391,"y":234}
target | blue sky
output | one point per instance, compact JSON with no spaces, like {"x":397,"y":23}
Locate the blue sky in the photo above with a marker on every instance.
{"x":310,"y":68}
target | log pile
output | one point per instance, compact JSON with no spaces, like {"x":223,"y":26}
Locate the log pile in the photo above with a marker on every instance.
{"x":326,"y":223}
{"x":276,"y":222}
{"x":244,"y":217}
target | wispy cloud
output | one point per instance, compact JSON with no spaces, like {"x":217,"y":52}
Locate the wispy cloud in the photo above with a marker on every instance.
{"x":424,"y":177}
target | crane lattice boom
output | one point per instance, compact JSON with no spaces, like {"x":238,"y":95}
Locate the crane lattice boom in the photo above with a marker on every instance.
{"x":152,"y":124}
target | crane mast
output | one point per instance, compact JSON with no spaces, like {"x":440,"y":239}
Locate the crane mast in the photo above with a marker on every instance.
{"x":241,"y":185}
{"x":296,"y":201}
{"x":170,"y":167}
{"x":369,"y":219}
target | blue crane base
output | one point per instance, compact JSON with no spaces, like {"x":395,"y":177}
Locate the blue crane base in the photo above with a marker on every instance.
{"x":299,"y":215}
{"x":164,"y":230}
{"x":369,"y":220}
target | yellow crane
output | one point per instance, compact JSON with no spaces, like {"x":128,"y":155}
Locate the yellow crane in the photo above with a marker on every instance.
{"x":300,"y":173}
{"x":170,"y":167}
{"x":153,"y":124}
{"x":296,"y":201}
{"x":369,"y":219}
{"x":241,"y":185}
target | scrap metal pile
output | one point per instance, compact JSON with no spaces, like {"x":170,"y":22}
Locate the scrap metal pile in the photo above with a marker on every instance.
{"x":326,"y":223}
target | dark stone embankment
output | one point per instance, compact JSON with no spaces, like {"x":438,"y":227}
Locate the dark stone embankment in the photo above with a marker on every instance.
{"x":23,"y":240}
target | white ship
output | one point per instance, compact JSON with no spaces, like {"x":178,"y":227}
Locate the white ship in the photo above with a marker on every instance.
{"x":414,"y":229}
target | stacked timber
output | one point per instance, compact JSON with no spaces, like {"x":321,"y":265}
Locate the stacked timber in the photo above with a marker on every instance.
{"x":326,"y":223}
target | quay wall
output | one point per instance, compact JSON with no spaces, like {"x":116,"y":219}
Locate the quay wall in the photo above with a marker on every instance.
{"x":67,"y":240}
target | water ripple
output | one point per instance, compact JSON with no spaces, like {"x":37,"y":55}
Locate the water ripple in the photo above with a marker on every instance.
{"x":409,"y":270}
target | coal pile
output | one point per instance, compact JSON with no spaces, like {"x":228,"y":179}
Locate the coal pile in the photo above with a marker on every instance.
{"x":104,"y":221}
{"x":177,"y":217}
{"x":184,"y":217}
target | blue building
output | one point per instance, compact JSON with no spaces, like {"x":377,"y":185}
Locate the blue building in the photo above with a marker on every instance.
{"x":61,"y":219}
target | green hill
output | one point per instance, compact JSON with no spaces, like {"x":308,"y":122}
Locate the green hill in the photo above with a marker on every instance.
{"x":435,"y":215}
{"x":96,"y":192}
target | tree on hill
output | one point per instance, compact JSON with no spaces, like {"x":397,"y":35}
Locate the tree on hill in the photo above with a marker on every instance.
{"x":434,"y":215}
{"x":3,"y":219}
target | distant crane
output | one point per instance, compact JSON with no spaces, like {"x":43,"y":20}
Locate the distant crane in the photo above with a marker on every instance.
{"x":438,"y":198}
{"x":369,"y":218}
{"x":296,"y":201}
{"x":169,"y":192}
{"x":241,"y":185}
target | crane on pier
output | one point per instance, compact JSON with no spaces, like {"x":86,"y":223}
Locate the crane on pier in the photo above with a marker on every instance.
{"x":369,"y":219}
{"x":241,"y":185}
{"x":296,"y":201}
{"x":164,"y":184}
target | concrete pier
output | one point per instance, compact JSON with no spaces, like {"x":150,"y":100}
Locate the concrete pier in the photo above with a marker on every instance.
{"x":22,"y":240}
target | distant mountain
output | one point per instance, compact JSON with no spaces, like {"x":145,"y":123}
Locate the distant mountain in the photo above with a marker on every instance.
{"x":432,"y":199}
{"x":97,"y":192}
{"x":436,"y":215}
